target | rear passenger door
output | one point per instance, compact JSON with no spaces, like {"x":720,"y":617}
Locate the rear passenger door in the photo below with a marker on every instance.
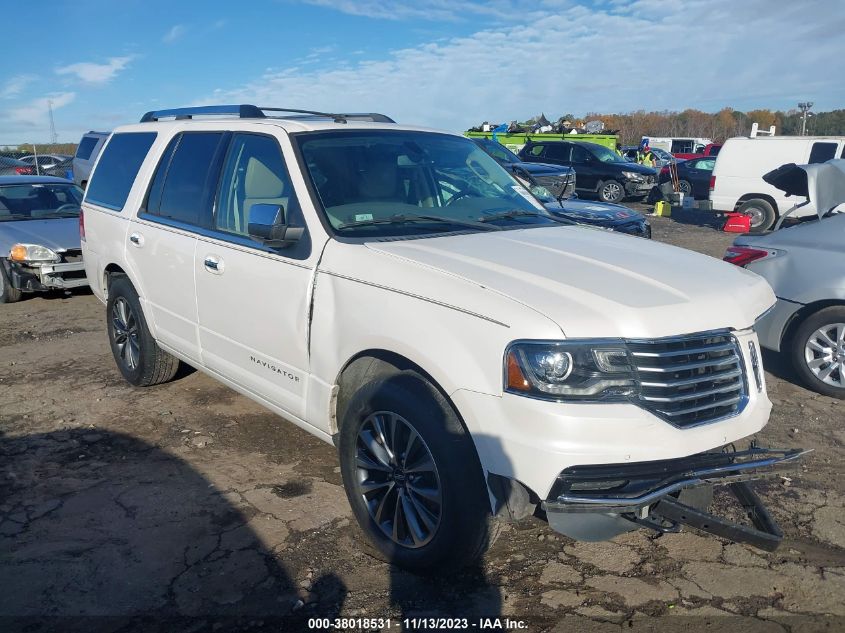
{"x":588,"y":169}
{"x":162,"y":239}
{"x":253,"y":301}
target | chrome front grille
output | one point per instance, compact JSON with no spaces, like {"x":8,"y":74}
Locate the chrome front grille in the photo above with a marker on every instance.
{"x":691,"y":380}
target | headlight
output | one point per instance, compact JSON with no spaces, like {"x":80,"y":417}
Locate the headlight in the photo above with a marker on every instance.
{"x":33,"y":253}
{"x":571,"y":370}
{"x":632,"y":175}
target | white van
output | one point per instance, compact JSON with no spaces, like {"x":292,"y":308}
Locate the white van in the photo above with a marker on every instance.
{"x":737,"y":182}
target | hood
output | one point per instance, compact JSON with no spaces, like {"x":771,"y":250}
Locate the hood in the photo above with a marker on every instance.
{"x":57,"y":234}
{"x":542,"y":169}
{"x":594,"y":211}
{"x":635,"y":167}
{"x":595,"y":283}
{"x":823,"y":184}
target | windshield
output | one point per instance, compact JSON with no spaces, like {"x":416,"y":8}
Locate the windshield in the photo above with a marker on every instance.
{"x":39,"y":201}
{"x":606,"y":155}
{"x":393,"y":182}
{"x":498,"y":151}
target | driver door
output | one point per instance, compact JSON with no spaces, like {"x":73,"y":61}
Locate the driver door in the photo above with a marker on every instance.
{"x":253,"y":300}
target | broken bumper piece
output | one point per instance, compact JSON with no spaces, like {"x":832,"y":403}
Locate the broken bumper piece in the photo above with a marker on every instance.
{"x":598,"y":502}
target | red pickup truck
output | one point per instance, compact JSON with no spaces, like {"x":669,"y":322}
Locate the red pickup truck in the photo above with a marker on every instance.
{"x":709,"y":150}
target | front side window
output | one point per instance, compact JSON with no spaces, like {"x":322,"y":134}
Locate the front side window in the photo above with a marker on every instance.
{"x":182,"y":188}
{"x":39,"y":201}
{"x":115,"y":173}
{"x":254,"y":173}
{"x":374,"y":183}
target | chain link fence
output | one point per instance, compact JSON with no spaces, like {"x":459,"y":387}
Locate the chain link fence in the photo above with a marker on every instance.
{"x":37,"y":159}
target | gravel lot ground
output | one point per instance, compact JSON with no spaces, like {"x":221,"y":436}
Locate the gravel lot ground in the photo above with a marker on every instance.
{"x":189,"y":507}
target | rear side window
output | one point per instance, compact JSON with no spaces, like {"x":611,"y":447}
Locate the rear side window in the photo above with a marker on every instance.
{"x":822,"y":152}
{"x":112,"y":180}
{"x":86,"y":146}
{"x":184,"y":184}
{"x":557,"y":152}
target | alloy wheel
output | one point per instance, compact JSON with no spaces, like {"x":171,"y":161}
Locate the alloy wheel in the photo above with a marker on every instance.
{"x":757,"y":216}
{"x":612,"y":192}
{"x":125,"y":328}
{"x":824,"y":354}
{"x":398,"y":480}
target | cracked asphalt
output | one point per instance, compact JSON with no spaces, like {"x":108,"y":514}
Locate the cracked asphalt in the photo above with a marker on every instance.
{"x":189,"y":507}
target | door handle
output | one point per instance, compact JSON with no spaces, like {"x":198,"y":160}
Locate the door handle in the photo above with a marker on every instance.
{"x":137,"y":239}
{"x":213,"y":264}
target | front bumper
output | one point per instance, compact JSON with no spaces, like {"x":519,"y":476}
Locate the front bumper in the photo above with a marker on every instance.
{"x":621,"y":497}
{"x":42,"y":277}
{"x":639,"y":187}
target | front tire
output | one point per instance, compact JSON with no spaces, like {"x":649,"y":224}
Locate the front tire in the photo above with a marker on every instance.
{"x":611,"y":191}
{"x":685,"y":186}
{"x":412,"y":476}
{"x":818,"y":352}
{"x":139,"y":358}
{"x":8,"y":293}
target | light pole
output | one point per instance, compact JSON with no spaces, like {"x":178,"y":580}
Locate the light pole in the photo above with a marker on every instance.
{"x":805,"y":108}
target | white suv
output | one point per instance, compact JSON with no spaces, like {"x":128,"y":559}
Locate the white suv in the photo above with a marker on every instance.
{"x":394,"y":291}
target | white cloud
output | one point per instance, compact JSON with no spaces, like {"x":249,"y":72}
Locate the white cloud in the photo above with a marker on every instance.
{"x":15,"y":86}
{"x":174,"y":34}
{"x":35,"y":113}
{"x":96,"y":73}
{"x":614,"y":57}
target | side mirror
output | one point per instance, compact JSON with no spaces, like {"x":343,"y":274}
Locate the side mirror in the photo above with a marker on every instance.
{"x":267,"y":225}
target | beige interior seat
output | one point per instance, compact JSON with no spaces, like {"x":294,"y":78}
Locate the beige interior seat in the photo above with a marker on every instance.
{"x":262,"y":186}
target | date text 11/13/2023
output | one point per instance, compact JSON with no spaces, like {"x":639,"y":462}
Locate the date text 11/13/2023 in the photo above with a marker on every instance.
{"x":417,"y":624}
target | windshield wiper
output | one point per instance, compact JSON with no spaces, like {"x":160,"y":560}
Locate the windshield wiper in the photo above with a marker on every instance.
{"x":402,"y":218}
{"x":516,"y":213}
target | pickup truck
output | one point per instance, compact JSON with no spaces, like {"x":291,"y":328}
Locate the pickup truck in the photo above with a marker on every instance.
{"x":709,"y":150}
{"x":395,"y":292}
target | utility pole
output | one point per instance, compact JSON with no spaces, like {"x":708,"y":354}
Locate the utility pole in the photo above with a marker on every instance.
{"x":805,"y":108}
{"x":54,"y":138}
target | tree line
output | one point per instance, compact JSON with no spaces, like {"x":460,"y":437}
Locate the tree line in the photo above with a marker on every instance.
{"x":718,"y":126}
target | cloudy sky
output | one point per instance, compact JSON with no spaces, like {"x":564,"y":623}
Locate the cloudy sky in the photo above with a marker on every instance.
{"x":444,"y":63}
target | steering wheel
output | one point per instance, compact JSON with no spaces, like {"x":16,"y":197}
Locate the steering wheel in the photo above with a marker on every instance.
{"x":67,"y":207}
{"x":459,"y":196}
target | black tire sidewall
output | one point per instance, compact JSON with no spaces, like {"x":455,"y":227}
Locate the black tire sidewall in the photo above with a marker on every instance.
{"x":8,"y":293}
{"x":688,"y":191}
{"x":833,"y":314}
{"x":463,"y":531}
{"x":122,"y":287}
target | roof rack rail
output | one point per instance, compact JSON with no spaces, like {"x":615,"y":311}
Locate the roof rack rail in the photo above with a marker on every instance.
{"x":247,"y":111}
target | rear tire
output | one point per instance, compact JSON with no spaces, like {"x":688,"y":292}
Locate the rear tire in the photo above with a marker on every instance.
{"x":820,"y":365}
{"x":8,"y":293}
{"x":412,"y":476}
{"x":139,"y":358}
{"x":763,"y":215}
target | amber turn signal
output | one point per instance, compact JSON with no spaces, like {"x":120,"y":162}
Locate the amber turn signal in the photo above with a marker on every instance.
{"x":516,"y":379}
{"x":18,"y":253}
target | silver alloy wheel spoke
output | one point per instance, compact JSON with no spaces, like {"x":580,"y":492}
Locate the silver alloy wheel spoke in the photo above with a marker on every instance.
{"x":398,"y":479}
{"x":824,"y":354}
{"x":125,"y":328}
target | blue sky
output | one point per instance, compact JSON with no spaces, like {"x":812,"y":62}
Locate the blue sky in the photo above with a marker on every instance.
{"x":443,"y":63}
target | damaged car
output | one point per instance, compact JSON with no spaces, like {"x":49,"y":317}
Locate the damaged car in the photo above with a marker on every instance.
{"x":807,"y":324}
{"x":39,"y":236}
{"x":397,"y":293}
